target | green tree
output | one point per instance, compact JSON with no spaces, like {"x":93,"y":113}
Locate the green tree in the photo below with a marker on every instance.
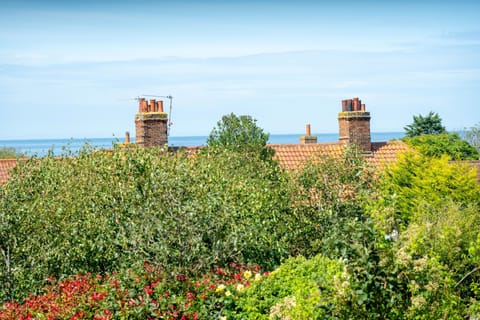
{"x":430,"y":124}
{"x":472,"y":135}
{"x":10,"y":153}
{"x":240,"y":133}
{"x":437,"y":145}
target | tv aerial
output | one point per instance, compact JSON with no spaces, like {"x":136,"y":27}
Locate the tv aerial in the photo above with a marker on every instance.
{"x":170,"y":108}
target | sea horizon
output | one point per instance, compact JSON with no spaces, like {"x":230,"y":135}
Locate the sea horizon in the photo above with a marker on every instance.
{"x":41,"y":147}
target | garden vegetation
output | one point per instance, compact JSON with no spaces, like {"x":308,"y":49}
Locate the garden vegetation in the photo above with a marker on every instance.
{"x":219,"y":233}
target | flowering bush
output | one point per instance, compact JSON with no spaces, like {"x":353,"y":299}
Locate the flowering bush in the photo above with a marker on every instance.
{"x":151,"y":293}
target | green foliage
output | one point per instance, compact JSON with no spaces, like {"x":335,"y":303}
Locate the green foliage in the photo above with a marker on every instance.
{"x":332,"y":221}
{"x":436,"y":252}
{"x":240,"y":133}
{"x":417,"y":181}
{"x":298,"y":289}
{"x":10,"y":153}
{"x":472,"y":135}
{"x":429,"y":124}
{"x":329,"y":205}
{"x":434,"y":207}
{"x":102,"y":211}
{"x":437,"y":145}
{"x":400,"y":245}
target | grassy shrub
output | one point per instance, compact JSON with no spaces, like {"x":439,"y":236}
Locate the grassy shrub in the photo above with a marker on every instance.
{"x":106,"y":211}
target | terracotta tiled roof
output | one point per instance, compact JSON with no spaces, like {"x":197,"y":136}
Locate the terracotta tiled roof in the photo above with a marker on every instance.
{"x":386,"y":152}
{"x":6,"y":165}
{"x":292,"y":156}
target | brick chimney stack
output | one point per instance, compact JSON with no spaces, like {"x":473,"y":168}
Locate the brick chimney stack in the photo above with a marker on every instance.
{"x":151,"y":124}
{"x":308,"y":138}
{"x":354,"y":124}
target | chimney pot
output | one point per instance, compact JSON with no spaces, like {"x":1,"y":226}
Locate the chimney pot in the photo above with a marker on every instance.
{"x":160,"y":106}
{"x":349,"y":105}
{"x":140,"y":105}
{"x":152,"y":105}
{"x":355,"y":104}
{"x":127,"y":137}
{"x":308,"y":133}
{"x":363,"y":106}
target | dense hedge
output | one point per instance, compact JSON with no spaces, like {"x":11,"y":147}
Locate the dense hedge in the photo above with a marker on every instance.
{"x":101,"y":211}
{"x":400,"y":245}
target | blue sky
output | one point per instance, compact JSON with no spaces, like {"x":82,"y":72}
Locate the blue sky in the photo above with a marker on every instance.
{"x":73,"y":68}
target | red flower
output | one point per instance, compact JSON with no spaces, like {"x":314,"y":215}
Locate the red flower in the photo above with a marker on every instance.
{"x":78,"y":315}
{"x":148,"y":290}
{"x":181,"y":277}
{"x":115,"y":283}
{"x":190,"y":296}
{"x":98,"y":295}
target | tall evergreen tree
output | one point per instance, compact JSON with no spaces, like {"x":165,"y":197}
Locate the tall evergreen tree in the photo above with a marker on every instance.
{"x":430,"y":124}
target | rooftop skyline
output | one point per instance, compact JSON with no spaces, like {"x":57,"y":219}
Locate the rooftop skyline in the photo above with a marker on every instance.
{"x":74,"y":68}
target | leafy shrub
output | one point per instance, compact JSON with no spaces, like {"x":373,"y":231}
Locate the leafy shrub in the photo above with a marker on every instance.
{"x":329,"y":205}
{"x":438,"y":250}
{"x":437,"y":145}
{"x":332,"y":220}
{"x":147,"y":293}
{"x":416,"y":180}
{"x":105,"y":211}
{"x":428,"y":208}
{"x":298,"y":289}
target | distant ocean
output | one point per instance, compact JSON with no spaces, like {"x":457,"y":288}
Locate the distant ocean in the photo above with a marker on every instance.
{"x":41,"y":147}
